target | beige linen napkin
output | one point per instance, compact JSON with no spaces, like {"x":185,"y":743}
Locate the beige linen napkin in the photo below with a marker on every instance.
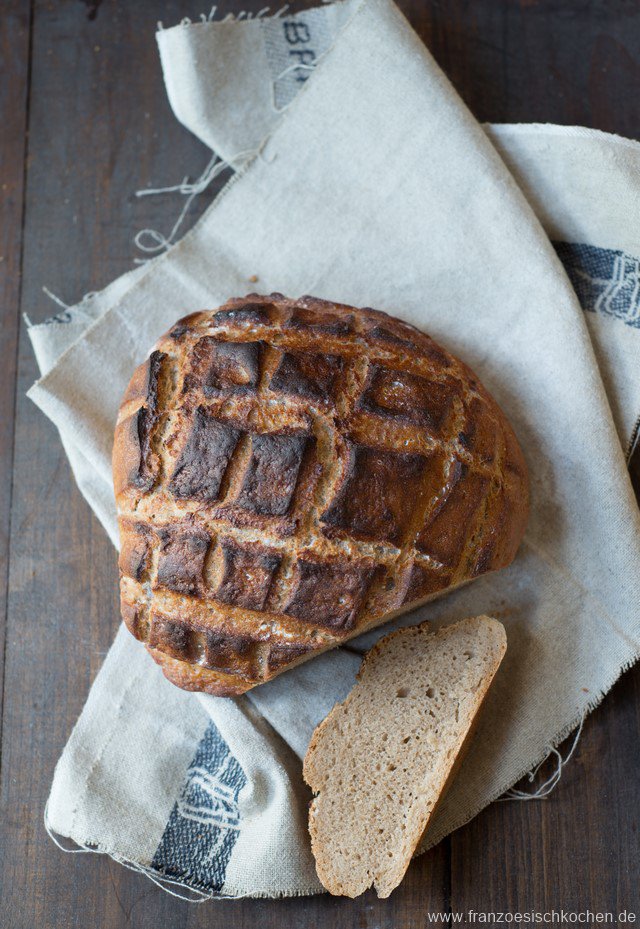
{"x":372,"y":185}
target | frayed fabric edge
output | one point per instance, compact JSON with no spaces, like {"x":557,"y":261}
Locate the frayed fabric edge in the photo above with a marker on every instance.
{"x":163,"y":883}
{"x":212,"y":17}
{"x":68,"y":312}
{"x":196,"y":895}
{"x":240,"y":163}
{"x":549,"y":785}
{"x":541,"y":793}
{"x":564,"y":732}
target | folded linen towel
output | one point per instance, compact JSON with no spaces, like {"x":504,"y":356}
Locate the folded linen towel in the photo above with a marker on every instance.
{"x":372,"y":185}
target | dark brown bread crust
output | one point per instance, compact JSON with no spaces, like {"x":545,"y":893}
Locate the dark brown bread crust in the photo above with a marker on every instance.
{"x":289,"y":473}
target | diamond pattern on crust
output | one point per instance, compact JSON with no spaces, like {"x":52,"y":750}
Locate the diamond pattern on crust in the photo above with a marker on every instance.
{"x":326,"y":594}
{"x":207,"y":452}
{"x":181,"y":558}
{"x":376,"y":501}
{"x":219,"y":369}
{"x":272,"y":473}
{"x":246,"y":574}
{"x":312,"y":375}
{"x":288,"y":472}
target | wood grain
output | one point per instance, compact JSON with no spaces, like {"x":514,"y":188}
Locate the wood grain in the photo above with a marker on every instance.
{"x":84,"y":79}
{"x":15,"y":26}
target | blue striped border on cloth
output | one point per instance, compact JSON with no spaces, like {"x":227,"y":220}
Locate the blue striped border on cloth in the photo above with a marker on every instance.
{"x":197,"y":842}
{"x":606,"y":281}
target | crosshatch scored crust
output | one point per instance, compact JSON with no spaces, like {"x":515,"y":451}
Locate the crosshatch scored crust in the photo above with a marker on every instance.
{"x":288,"y":473}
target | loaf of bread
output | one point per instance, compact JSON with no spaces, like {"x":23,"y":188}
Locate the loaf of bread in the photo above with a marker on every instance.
{"x":289,"y":473}
{"x":380,"y":762}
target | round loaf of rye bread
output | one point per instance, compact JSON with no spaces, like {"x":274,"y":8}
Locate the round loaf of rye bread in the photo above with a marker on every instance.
{"x":290,"y":473}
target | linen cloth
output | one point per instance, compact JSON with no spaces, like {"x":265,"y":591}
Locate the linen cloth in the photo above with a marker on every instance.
{"x":372,"y":185}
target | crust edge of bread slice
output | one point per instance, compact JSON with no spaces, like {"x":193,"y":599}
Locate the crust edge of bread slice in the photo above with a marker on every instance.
{"x":385,"y":878}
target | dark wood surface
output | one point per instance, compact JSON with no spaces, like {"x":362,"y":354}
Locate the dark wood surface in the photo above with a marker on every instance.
{"x":85,"y":123}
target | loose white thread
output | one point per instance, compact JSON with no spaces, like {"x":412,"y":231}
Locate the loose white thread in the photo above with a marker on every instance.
{"x":69,"y":311}
{"x":210,"y":17}
{"x":246,"y":14}
{"x":543,"y":791}
{"x":150,"y":240}
{"x":193,"y":896}
{"x":295,"y":67}
{"x":190,"y":189}
{"x":55,"y":299}
{"x":288,"y":70}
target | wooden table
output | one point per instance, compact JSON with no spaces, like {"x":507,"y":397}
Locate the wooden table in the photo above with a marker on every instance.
{"x":84,"y":123}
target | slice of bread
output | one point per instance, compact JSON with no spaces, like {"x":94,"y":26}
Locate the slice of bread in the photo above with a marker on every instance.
{"x":381,"y":760}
